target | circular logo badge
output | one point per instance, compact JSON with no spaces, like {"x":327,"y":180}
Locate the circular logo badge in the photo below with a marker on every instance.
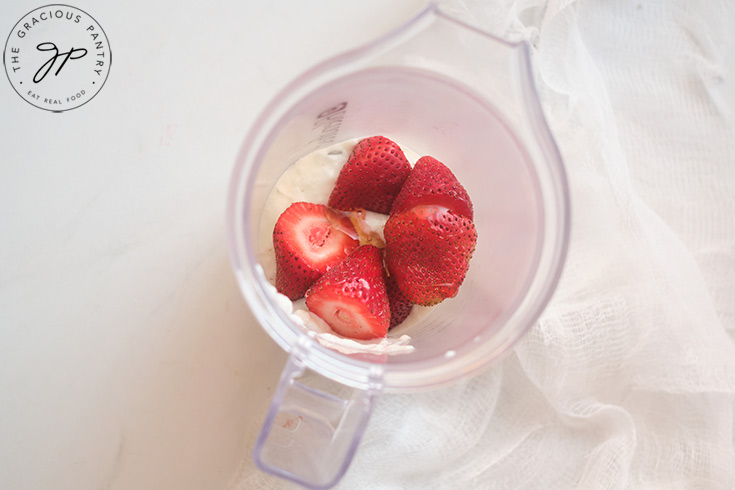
{"x":57,"y":57}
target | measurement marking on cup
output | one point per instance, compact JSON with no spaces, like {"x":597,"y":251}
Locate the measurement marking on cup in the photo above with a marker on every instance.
{"x":328,"y":123}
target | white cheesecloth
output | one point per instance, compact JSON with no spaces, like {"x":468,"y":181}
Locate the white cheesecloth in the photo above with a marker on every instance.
{"x":628,"y":379}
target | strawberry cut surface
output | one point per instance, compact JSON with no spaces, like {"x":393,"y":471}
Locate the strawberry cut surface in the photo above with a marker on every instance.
{"x":352,"y":298}
{"x":432,"y":183}
{"x":372,"y":177}
{"x":309,"y":239}
{"x":428,"y":252}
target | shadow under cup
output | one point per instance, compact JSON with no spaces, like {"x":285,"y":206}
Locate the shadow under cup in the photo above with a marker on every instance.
{"x":519,"y":202}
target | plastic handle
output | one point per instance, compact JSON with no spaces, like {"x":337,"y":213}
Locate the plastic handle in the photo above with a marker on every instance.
{"x":309,"y":435}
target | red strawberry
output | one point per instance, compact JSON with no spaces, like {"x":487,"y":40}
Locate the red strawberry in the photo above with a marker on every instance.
{"x":428,"y":251}
{"x":372,"y":177}
{"x":309,"y":239}
{"x":400,"y":306}
{"x":352,"y":298}
{"x":432,"y":183}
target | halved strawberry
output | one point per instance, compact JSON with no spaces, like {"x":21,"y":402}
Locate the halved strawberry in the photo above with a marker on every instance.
{"x":432,"y":183}
{"x":400,"y":306}
{"x":309,"y":239}
{"x":428,"y":251}
{"x":372,"y":177}
{"x":351,"y":297}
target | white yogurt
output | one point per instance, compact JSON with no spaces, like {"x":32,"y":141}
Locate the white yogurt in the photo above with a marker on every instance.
{"x":312,"y":179}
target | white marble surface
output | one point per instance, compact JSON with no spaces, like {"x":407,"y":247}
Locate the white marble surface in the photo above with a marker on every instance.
{"x":128,"y":358}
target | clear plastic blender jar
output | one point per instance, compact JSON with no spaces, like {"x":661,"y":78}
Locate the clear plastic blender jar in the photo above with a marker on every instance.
{"x":444,"y":89}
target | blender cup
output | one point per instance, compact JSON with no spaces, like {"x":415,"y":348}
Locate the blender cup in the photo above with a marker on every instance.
{"x":444,"y":89}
